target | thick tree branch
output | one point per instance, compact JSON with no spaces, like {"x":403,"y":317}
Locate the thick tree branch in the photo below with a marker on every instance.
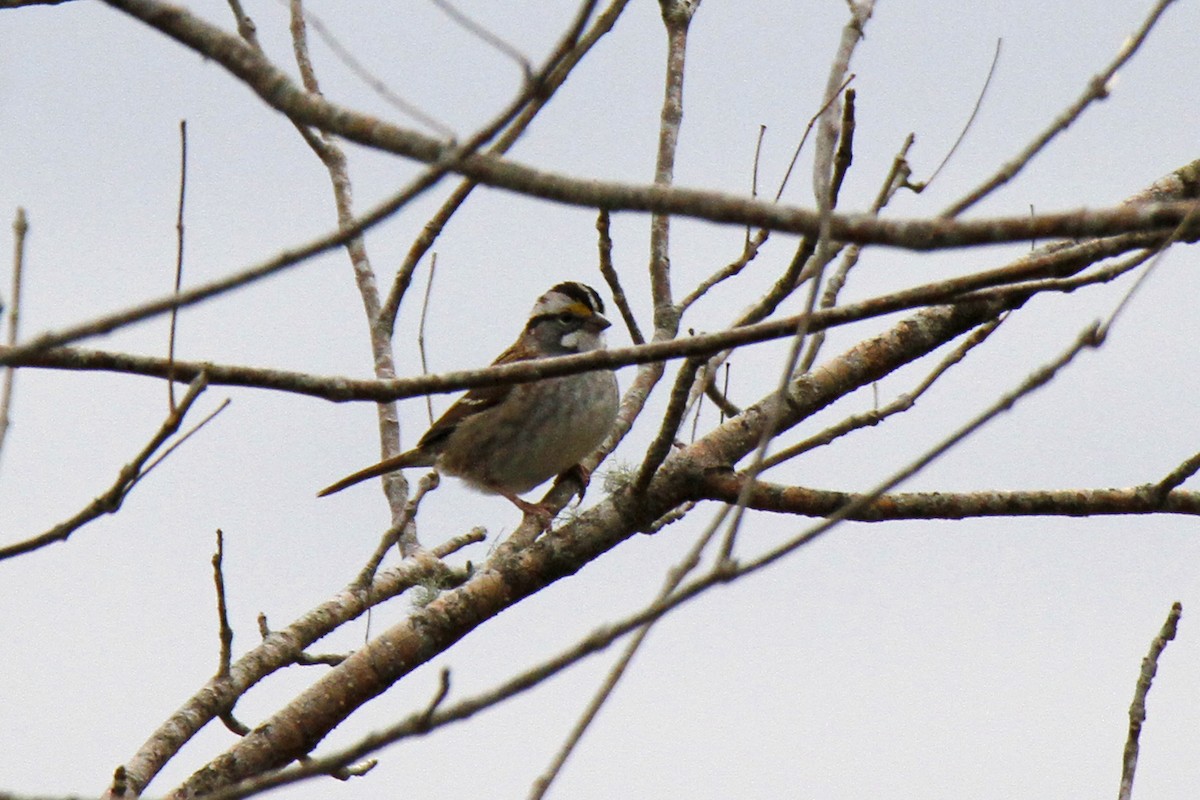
{"x":515,"y":573}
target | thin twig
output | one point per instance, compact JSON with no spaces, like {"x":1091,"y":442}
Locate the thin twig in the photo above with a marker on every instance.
{"x":442,"y":691}
{"x":245,"y":25}
{"x":154,"y":462}
{"x":762,"y":131}
{"x":178,"y":261}
{"x":474,"y":28}
{"x":327,"y":149}
{"x":696,"y":413}
{"x":842,"y":160}
{"x":421,"y":331}
{"x":110,"y":501}
{"x":380,"y":87}
{"x":1176,"y":477}
{"x":20,"y":229}
{"x":1159,"y":254}
{"x":396,"y":532}
{"x":302,"y":658}
{"x":674,"y":578}
{"x":878,"y":415}
{"x":962,"y":134}
{"x":225,"y":633}
{"x":566,"y":55}
{"x":609,"y":272}
{"x":1097,"y":89}
{"x":812,"y":121}
{"x":753,"y":245}
{"x":677,"y":405}
{"x":1137,"y":709}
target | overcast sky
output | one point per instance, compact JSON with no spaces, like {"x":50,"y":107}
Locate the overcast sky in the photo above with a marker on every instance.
{"x":986,"y":659}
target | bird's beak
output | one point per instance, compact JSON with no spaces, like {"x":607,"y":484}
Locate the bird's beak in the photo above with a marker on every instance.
{"x":596,"y":323}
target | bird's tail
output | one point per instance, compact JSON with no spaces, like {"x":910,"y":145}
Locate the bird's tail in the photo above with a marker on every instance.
{"x":375,"y":470}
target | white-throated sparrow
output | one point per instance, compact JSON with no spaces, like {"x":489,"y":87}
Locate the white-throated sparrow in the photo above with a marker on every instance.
{"x":508,"y":439}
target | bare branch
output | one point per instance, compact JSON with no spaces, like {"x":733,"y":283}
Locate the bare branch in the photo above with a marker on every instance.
{"x":395,"y":486}
{"x":474,"y":28}
{"x":1137,"y":710}
{"x":281,"y":649}
{"x":346,"y":56}
{"x":765,"y":496}
{"x":570,"y":50}
{"x":225,"y":632}
{"x":899,"y":405}
{"x":1097,"y":89}
{"x":1064,"y":260}
{"x":614,"y":282}
{"x":178,"y":261}
{"x":399,"y":529}
{"x":20,"y":229}
{"x":970,"y":120}
{"x":1176,"y":477}
{"x":421,"y":331}
{"x":110,"y":501}
{"x":677,"y":17}
{"x":442,"y":692}
{"x":281,"y":93}
{"x":513,"y":573}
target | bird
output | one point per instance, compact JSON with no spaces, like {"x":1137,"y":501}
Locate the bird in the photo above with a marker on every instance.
{"x":507,"y":440}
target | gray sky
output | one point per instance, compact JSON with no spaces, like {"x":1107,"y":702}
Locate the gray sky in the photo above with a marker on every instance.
{"x":986,"y":659}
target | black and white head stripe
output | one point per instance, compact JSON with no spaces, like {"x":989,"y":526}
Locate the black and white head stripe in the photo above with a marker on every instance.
{"x":570,"y":297}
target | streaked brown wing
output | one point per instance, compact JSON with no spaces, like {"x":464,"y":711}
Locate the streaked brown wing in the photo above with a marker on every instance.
{"x":475,"y":400}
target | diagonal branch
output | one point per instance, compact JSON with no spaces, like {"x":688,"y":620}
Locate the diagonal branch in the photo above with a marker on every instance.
{"x":110,"y":501}
{"x":280,"y":649}
{"x":538,"y":91}
{"x":1137,"y":709}
{"x":514,"y":573}
{"x":339,"y":389}
{"x":1097,"y":89}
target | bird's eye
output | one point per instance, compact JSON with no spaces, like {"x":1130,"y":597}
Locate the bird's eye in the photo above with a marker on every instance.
{"x":566,"y":318}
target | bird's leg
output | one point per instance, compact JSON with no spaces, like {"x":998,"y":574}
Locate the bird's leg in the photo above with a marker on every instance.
{"x":540,"y":511}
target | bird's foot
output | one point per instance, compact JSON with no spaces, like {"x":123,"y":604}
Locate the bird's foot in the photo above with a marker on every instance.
{"x":543,"y":513}
{"x":580,"y":474}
